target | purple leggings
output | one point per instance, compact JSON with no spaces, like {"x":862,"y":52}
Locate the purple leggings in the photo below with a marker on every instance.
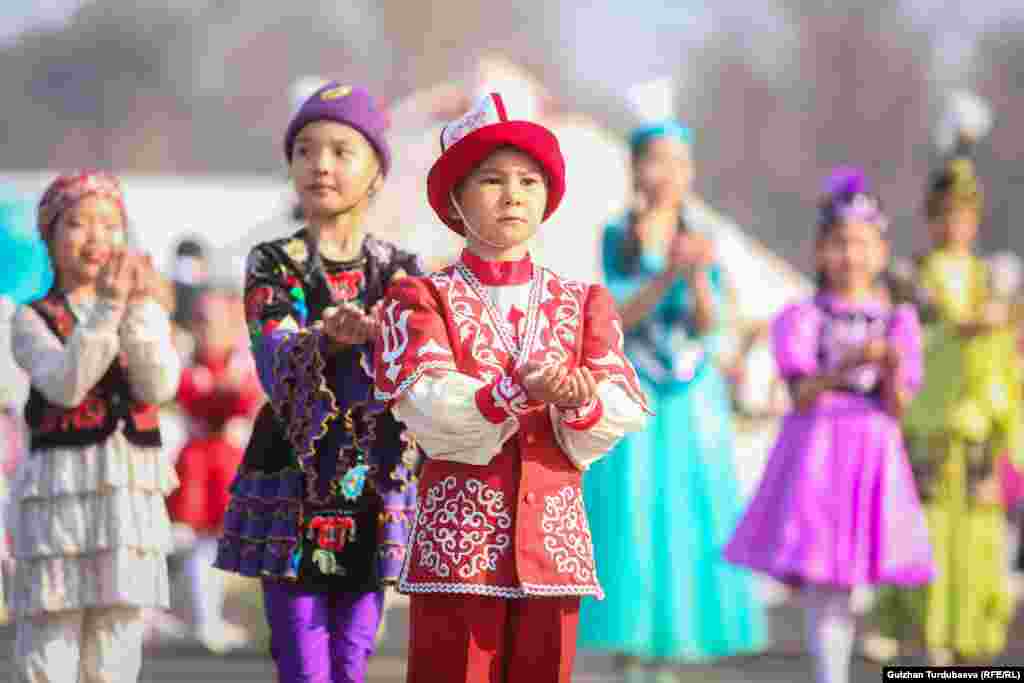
{"x":320,"y":637}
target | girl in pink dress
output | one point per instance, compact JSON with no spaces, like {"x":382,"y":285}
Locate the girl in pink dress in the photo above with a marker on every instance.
{"x":837,"y":507}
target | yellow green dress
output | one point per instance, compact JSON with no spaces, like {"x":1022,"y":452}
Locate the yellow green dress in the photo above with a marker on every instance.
{"x":968,"y":412}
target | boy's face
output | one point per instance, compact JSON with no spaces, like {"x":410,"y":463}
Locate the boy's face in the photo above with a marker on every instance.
{"x":333,"y":168}
{"x":504,"y":197}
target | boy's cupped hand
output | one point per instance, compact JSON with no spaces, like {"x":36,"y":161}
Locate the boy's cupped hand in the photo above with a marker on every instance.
{"x":564,"y":388}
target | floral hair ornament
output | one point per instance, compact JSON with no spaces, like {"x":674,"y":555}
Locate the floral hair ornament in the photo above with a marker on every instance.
{"x":67,"y":189}
{"x":847,"y":198}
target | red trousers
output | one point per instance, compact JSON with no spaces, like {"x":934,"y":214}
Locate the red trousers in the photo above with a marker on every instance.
{"x":476,"y":639}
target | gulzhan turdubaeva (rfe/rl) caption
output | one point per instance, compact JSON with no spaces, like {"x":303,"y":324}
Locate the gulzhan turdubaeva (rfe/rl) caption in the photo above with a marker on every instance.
{"x":953,"y":673}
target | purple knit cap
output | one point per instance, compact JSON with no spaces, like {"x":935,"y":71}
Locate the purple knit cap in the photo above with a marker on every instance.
{"x":349,"y":105}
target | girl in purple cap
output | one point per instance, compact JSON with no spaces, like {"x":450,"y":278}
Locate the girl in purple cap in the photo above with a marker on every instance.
{"x":837,"y":506}
{"x":321,"y":505}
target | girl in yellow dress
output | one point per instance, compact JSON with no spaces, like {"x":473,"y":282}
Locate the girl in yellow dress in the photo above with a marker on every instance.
{"x":968,"y":412}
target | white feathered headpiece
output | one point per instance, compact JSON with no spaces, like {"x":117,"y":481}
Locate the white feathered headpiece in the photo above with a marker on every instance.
{"x":966,"y":116}
{"x":653,"y":100}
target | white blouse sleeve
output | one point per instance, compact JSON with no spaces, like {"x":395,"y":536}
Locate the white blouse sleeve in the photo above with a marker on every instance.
{"x":64,"y":373}
{"x":585,"y":440}
{"x":442,"y":412}
{"x":154,"y":366}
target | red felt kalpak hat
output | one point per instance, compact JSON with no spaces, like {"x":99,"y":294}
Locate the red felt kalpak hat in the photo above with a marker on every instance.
{"x":469,"y":140}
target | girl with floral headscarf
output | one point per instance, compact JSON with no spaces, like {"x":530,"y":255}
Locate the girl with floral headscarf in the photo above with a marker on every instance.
{"x":91,"y":531}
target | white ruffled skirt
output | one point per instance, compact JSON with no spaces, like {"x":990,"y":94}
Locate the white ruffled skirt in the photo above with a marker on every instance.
{"x":90,"y":528}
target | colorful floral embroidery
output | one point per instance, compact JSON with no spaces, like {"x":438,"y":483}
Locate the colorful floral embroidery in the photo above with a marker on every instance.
{"x":290,"y":281}
{"x":91,"y":413}
{"x":332,"y":533}
{"x":256,"y":300}
{"x":345,"y":285}
{"x":326,"y":562}
{"x":298,"y":296}
{"x":294,"y":370}
{"x":351,"y":485}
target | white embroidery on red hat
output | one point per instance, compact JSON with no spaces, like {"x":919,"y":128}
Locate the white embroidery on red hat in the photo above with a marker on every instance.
{"x":488,"y":110}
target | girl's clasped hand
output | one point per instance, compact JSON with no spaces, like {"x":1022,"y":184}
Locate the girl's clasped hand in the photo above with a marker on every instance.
{"x":128,"y":277}
{"x":348,"y":325}
{"x":690,"y":251}
{"x":878,"y":352}
{"x":875,"y":352}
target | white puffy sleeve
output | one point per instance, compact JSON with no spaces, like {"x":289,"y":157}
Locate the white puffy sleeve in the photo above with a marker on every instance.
{"x":154,"y":366}
{"x":588,"y":433}
{"x":442,"y":412}
{"x":64,"y":373}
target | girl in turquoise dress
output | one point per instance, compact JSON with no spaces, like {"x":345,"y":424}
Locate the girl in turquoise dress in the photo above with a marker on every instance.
{"x":665,"y":501}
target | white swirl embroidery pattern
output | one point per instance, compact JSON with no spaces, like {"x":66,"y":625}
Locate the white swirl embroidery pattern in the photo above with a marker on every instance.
{"x":467,"y":314}
{"x":395,"y":338}
{"x":462,"y":529}
{"x":556,"y":339}
{"x":619,"y":369}
{"x":567,"y":536}
{"x":512,"y":398}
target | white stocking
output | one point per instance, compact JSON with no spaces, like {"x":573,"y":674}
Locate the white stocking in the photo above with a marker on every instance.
{"x":205,"y":583}
{"x":830,"y":632}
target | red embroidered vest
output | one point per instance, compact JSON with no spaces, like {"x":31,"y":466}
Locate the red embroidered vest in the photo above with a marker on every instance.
{"x":106,"y":405}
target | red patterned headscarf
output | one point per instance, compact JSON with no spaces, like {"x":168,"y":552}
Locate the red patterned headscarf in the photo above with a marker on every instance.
{"x":69,"y":188}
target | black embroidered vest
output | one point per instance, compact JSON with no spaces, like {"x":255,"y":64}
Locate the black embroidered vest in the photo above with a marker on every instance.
{"x":104,"y":407}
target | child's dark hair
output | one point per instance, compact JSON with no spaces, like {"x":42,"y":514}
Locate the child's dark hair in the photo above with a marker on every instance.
{"x":953,"y":186}
{"x":847,"y":198}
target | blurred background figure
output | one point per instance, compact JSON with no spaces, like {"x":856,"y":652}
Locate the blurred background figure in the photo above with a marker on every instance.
{"x":836,"y":508}
{"x":190,"y":274}
{"x":219,"y":395}
{"x":664,"y":501}
{"x":26,"y":276}
{"x":1007,"y":276}
{"x":967,"y":415}
{"x":27,"y":273}
{"x":12,"y":443}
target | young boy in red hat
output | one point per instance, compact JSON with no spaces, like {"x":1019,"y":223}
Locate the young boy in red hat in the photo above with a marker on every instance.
{"x":514,"y":381}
